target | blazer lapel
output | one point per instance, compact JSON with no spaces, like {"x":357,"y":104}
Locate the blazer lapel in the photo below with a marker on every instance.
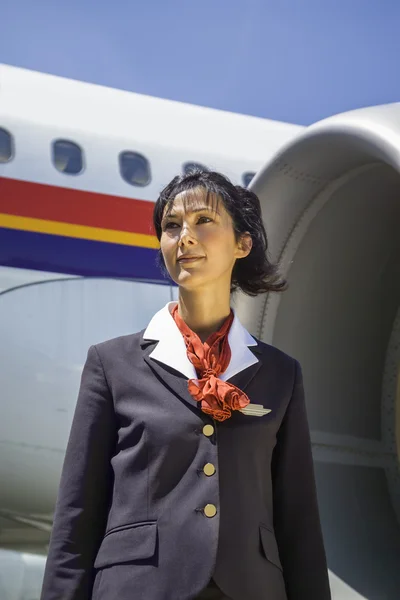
{"x":172,"y":379}
{"x":242,"y":379}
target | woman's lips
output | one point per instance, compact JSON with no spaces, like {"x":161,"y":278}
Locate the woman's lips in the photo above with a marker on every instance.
{"x":189,"y":259}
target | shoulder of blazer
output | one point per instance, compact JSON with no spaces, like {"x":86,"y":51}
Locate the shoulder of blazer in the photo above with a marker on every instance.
{"x":269,"y":352}
{"x":120,"y":345}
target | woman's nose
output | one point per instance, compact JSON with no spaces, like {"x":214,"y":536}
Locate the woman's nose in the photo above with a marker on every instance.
{"x":186,"y":237}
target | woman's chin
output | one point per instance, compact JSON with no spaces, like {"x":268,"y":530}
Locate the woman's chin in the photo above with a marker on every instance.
{"x":189,"y":280}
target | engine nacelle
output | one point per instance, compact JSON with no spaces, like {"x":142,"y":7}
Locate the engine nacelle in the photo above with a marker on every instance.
{"x":331,"y":204}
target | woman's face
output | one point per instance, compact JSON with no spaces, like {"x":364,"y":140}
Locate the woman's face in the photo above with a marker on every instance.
{"x":198,"y":242}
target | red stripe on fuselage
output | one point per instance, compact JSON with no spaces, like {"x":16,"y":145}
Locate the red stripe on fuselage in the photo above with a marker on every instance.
{"x":78,"y":207}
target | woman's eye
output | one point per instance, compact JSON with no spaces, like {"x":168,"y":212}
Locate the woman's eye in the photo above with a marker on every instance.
{"x":170,"y":225}
{"x":174,"y":225}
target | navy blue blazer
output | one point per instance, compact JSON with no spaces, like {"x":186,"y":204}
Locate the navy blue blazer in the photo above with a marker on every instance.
{"x":156,"y":497}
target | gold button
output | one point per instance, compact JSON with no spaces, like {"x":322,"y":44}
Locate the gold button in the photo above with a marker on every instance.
{"x":210,"y":510}
{"x":209,"y":469}
{"x":208,"y":430}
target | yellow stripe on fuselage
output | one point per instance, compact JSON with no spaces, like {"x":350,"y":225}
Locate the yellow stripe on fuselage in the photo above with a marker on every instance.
{"x":97,"y":234}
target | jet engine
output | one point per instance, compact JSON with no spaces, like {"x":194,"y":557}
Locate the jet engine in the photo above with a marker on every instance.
{"x":331,"y":206}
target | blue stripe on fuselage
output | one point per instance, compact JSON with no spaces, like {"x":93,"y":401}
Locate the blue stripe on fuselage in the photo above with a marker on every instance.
{"x":57,"y":254}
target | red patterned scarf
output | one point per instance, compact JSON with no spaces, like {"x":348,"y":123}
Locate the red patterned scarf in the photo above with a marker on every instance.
{"x":218,"y":398}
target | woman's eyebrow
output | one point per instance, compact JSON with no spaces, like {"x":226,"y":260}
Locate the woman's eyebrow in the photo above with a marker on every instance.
{"x":198,"y":209}
{"x":201,"y":208}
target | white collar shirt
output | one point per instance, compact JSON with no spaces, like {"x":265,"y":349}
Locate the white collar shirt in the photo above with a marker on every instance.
{"x":171,"y":349}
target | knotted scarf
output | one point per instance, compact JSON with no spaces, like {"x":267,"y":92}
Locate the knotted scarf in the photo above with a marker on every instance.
{"x":218,"y":398}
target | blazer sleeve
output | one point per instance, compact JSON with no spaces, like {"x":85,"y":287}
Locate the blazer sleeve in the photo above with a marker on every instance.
{"x":296,"y":515}
{"x":84,"y":491}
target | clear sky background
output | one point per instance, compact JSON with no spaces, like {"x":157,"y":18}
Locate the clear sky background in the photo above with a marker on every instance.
{"x":292,"y":60}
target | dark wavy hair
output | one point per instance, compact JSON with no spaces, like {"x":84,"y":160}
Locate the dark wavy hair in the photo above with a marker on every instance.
{"x":254,"y":274}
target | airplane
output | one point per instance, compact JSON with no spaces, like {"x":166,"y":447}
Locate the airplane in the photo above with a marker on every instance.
{"x":80,"y":166}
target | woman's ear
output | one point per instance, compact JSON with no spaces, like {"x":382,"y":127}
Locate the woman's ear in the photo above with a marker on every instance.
{"x":245,"y":245}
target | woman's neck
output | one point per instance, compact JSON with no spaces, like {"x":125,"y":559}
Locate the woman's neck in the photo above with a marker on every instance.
{"x":203,"y":313}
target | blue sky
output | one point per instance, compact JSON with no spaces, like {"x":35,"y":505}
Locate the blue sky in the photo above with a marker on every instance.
{"x":292,"y":60}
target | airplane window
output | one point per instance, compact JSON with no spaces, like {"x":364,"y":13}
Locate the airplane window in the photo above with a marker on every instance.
{"x":134,"y":168}
{"x":189,"y":167}
{"x":67,"y":157}
{"x":6,"y":146}
{"x":247,"y":177}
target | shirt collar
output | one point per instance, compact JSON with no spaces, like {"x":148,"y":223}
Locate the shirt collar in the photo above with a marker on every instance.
{"x":171,"y":349}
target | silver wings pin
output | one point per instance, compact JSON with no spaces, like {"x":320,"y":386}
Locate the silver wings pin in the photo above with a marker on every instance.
{"x":255,"y":410}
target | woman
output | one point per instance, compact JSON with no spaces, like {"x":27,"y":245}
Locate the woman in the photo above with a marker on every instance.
{"x":188,"y":472}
